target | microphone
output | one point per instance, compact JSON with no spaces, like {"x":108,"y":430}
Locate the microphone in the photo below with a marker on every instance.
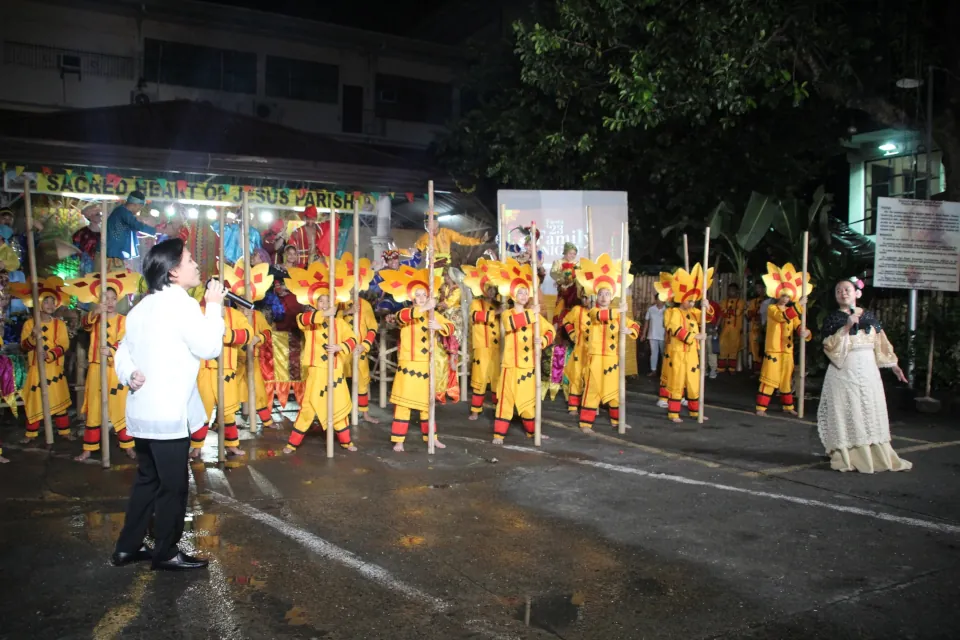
{"x":856,"y":326}
{"x":232,"y":297}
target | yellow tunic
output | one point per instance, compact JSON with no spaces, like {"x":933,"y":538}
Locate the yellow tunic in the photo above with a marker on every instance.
{"x":681,"y":360}
{"x":367,"y":335}
{"x":602,"y":338}
{"x":731,"y":332}
{"x":517,"y":390}
{"x":56,"y":341}
{"x":753,"y":317}
{"x":485,"y":336}
{"x":238,"y":333}
{"x":411,"y":385}
{"x":576,"y":323}
{"x":443,"y":242}
{"x":263,"y":332}
{"x":782,"y":325}
{"x":117,"y":393}
{"x":316,"y":359}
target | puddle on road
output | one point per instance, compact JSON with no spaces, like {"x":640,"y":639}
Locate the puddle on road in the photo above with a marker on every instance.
{"x":553,"y":613}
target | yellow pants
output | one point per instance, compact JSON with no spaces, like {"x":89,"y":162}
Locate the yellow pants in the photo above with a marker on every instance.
{"x":517,"y":392}
{"x":264,"y":412}
{"x":574,"y":371}
{"x":207,"y":381}
{"x":730,"y":339}
{"x":401,"y":424}
{"x":314,"y":406}
{"x":58,"y":392}
{"x":756,"y":348}
{"x":682,"y":377}
{"x":116,"y":405}
{"x":363,"y":384}
{"x":776,"y":375}
{"x":602,"y":386}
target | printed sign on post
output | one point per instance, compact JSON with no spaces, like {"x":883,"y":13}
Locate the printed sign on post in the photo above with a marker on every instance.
{"x":918,"y":245}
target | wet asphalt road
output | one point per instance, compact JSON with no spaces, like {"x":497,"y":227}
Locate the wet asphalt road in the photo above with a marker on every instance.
{"x":736,"y":529}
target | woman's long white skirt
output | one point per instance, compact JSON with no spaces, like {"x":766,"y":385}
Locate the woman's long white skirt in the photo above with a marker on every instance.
{"x":852,"y":418}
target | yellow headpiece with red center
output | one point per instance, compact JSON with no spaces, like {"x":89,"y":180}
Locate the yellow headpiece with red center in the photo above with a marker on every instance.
{"x":261,"y":279}
{"x":479,"y":276}
{"x":364,"y":269}
{"x":511,"y":276}
{"x":605,"y":273}
{"x":785,"y":281}
{"x":52,"y":287}
{"x":681,"y":286}
{"x":311,"y":283}
{"x":87,"y":289}
{"x":403,"y":282}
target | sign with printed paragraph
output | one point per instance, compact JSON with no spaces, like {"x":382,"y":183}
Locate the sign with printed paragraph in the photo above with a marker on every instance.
{"x":918,"y":245}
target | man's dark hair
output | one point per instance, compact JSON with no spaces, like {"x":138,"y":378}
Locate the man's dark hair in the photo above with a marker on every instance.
{"x":159,"y":261}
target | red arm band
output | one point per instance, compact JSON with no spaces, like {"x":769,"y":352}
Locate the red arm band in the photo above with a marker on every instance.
{"x":682,"y":334}
{"x":54,"y":354}
{"x":405,"y":316}
{"x":548,"y":338}
{"x":350,"y":344}
{"x":370,"y":337}
{"x":480,"y":317}
{"x":240,"y":337}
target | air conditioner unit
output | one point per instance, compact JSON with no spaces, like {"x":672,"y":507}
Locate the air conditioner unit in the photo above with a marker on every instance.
{"x":69,"y":63}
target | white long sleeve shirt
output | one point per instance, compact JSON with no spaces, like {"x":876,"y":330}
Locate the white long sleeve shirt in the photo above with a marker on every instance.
{"x":167,"y":337}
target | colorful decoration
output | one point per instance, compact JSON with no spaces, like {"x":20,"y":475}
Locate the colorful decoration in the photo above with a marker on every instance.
{"x":785,"y":281}
{"x":605,"y":273}
{"x":311,"y":283}
{"x":87,"y":289}
{"x":403,"y":282}
{"x":682,"y":286}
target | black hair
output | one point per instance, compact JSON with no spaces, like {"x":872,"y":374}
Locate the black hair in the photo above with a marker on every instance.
{"x":162,"y":258}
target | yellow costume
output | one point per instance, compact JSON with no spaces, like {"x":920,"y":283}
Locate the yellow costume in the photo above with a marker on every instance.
{"x":411,"y":384}
{"x":309,"y":285}
{"x":261,"y":282}
{"x":517,"y":391}
{"x":55,"y":342}
{"x":367,"y":334}
{"x":681,"y":360}
{"x":783,"y":322}
{"x":602,"y":337}
{"x":731,"y":333}
{"x":87,"y":291}
{"x":576,"y":324}
{"x":237,"y":334}
{"x":443,"y":241}
{"x":485,"y":335}
{"x":754,"y":327}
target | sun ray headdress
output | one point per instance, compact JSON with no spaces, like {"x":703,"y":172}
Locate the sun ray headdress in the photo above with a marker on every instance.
{"x":401,"y":283}
{"x":87,"y":288}
{"x":681,"y":286}
{"x":785,"y":281}
{"x":605,"y":273}
{"x":261,"y":280}
{"x":52,"y":286}
{"x":479,"y":276}
{"x":510,"y":276}
{"x":364,"y":270}
{"x":311,"y":283}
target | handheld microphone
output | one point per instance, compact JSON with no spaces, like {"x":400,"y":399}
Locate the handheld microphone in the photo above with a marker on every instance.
{"x":856,"y":326}
{"x":234,"y":298}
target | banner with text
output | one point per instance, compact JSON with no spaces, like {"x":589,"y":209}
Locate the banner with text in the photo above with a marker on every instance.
{"x":918,"y":245}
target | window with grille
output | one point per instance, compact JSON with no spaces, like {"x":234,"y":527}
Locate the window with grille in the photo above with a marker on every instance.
{"x":896,"y":177}
{"x":200,"y":67}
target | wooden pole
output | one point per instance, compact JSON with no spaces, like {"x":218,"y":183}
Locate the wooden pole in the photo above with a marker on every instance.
{"x":383,"y":367}
{"x":535,"y":298}
{"x":221,"y":418}
{"x":686,"y":256}
{"x":331,"y":328}
{"x":431,"y":426}
{"x":248,"y":287}
{"x":802,"y":387}
{"x":624,"y":273}
{"x":40,"y":355}
{"x":104,"y":398}
{"x":703,"y":325}
{"x":355,"y":358}
{"x":503,"y":258}
{"x":465,"y":313}
{"x":590,"y":232}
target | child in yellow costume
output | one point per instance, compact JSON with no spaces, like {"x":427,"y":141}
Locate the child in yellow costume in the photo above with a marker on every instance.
{"x":755,"y":326}
{"x":783,"y":321}
{"x":485,"y":313}
{"x":576,"y":324}
{"x":681,"y":360}
{"x":238,"y":333}
{"x":517,"y":390}
{"x":87,"y":291}
{"x":731,"y":330}
{"x":602,"y":335}
{"x":261,"y":281}
{"x":54,"y":341}
{"x":411,"y":384}
{"x":325,"y":336}
{"x":363,"y":272}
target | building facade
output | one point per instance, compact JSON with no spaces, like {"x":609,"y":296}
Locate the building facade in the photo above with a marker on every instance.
{"x":356,"y":85}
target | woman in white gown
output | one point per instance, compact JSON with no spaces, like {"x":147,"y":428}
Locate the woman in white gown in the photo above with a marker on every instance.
{"x":852,"y":417}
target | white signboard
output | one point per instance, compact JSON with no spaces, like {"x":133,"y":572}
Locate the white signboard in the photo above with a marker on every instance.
{"x":918,"y":245}
{"x":561,"y":216}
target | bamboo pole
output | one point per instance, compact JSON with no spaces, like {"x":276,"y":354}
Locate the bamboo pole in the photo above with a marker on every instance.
{"x":742,"y":358}
{"x":331,"y":321}
{"x":802,"y":387}
{"x":104,"y":398}
{"x":464,"y":359}
{"x":431,"y":426}
{"x":383,"y":367}
{"x":686,"y":255}
{"x":703,"y":325}
{"x":40,"y":355}
{"x":355,"y":357}
{"x":221,"y":404}
{"x":536,"y":336}
{"x":624,"y":273}
{"x":503,"y":257}
{"x":591,"y":300}
{"x":248,"y":287}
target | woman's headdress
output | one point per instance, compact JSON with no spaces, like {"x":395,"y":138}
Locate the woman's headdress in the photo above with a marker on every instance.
{"x":87,"y":289}
{"x":605,"y":273}
{"x":511,"y":276}
{"x":785,"y":281}
{"x":681,"y":286}
{"x":403,"y":282}
{"x":311,"y":283}
{"x":479,"y":276}
{"x":364,"y":270}
{"x":52,"y":286}
{"x":261,"y":279}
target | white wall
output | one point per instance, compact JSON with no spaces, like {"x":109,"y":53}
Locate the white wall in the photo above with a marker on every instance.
{"x":38,"y":23}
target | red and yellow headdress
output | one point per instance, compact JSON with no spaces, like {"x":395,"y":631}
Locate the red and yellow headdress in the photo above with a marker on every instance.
{"x":364,"y":270}
{"x":605,"y":273}
{"x":87,"y":289}
{"x":510,"y":277}
{"x":479,"y":276}
{"x":52,"y":286}
{"x":261,"y":280}
{"x":311,"y":283}
{"x":401,"y":283}
{"x":681,"y":286}
{"x":785,"y":281}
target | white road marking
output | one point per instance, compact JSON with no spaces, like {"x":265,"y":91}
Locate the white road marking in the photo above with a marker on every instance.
{"x":265,"y":487}
{"x":879,"y":515}
{"x":330,"y":551}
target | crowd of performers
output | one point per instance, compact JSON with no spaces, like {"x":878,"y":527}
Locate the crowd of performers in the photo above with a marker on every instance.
{"x":578,"y":339}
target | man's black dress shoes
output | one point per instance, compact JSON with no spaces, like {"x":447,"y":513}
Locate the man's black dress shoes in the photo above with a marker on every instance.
{"x":180,"y":562}
{"x":121,"y":558}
